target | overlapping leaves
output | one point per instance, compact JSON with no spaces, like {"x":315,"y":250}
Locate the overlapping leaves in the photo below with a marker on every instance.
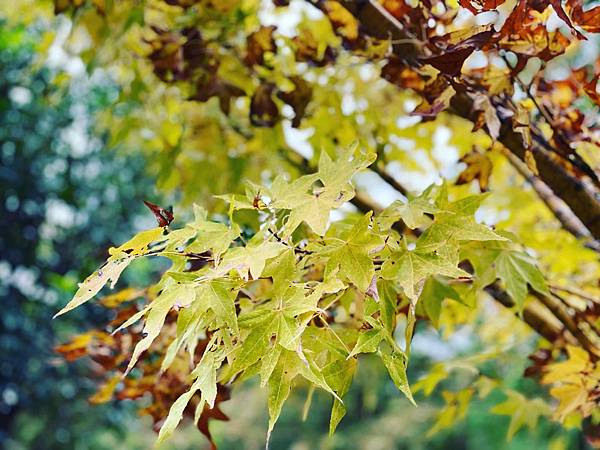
{"x":272,"y":306}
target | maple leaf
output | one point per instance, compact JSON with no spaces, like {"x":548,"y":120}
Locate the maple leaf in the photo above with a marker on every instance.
{"x":397,"y":72}
{"x":249,"y":260}
{"x":298,"y":98}
{"x":255,"y":344}
{"x":263,"y":109}
{"x":280,"y":385}
{"x":454,"y":410}
{"x":163,"y":216}
{"x":410,"y":267}
{"x":395,"y":362}
{"x":415,"y":213}
{"x":350,"y":255}
{"x":439,"y":104}
{"x":433,"y":294}
{"x":337,"y":173}
{"x":258,"y":43}
{"x":479,"y":167}
{"x":575,"y":383}
{"x":220,"y":297}
{"x":522,"y":411}
{"x":515,"y":268}
{"x":453,"y":56}
{"x":111,"y":271}
{"x":211,"y":236}
{"x":339,"y":374}
{"x":205,"y":381}
{"x":156,"y":314}
{"x":312,"y":204}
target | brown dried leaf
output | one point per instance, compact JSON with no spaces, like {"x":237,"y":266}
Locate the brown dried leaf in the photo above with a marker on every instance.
{"x":215,"y":87}
{"x":557,"y":5}
{"x":588,"y":20}
{"x":515,"y":21}
{"x":258,"y":43}
{"x":453,"y":56}
{"x":307,"y":50}
{"x":298,"y":98}
{"x":431,"y":108}
{"x":479,"y":6}
{"x":263,"y":109}
{"x":488,"y":113}
{"x":399,"y":73}
{"x":479,"y":167}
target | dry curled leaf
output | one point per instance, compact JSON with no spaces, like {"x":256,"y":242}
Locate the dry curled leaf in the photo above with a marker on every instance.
{"x":479,"y":167}
{"x":263,"y":109}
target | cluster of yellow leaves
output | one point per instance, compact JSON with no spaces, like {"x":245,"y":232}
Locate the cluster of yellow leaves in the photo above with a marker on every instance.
{"x":576,"y":384}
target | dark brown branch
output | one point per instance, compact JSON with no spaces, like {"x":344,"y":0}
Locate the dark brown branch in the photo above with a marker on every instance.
{"x":561,"y":313}
{"x":561,"y":211}
{"x":546,"y":325}
{"x":573,"y":191}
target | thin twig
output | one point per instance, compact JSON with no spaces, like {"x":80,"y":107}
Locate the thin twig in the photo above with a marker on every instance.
{"x":560,"y":312}
{"x":577,"y":293}
{"x":559,"y":208}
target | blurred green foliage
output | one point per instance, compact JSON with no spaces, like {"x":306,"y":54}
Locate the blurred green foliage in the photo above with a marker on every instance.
{"x":65,"y":199}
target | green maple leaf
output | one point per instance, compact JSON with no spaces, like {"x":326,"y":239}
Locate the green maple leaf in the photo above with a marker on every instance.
{"x":350,"y":255}
{"x":415,"y":212}
{"x":268,"y":363}
{"x":188,"y":321}
{"x":250,"y":259}
{"x":156,"y":314}
{"x":213,"y":236}
{"x":449,"y":228}
{"x":515,"y":268}
{"x":388,"y":296}
{"x":120,"y":258}
{"x":395,"y":362}
{"x":311,"y":207}
{"x":433,"y":294}
{"x":312,"y":204}
{"x":280,"y":385}
{"x":255,"y":344}
{"x":205,"y":375}
{"x":339,"y":374}
{"x":220,"y":296}
{"x":137,"y":245}
{"x":338,"y":172}
{"x":410,"y":267}
{"x":110,"y":272}
{"x":368,"y":341}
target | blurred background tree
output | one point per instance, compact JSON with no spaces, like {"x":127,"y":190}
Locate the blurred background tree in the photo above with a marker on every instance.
{"x":66,"y":198}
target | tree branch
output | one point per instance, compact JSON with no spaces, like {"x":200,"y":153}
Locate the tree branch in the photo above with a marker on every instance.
{"x":583,"y":201}
{"x":561,"y":211}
